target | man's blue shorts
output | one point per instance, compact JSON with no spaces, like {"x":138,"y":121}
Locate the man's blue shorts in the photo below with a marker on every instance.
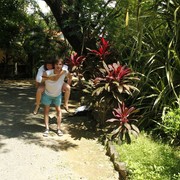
{"x":48,"y":100}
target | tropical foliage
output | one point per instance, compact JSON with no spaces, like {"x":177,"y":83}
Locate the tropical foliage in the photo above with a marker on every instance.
{"x":27,"y":36}
{"x":125,"y":127}
{"x":152,"y":50}
{"x":171,"y":125}
{"x":138,"y":36}
{"x":108,"y":88}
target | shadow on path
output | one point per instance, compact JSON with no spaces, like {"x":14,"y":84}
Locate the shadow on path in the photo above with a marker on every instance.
{"x":17,"y":100}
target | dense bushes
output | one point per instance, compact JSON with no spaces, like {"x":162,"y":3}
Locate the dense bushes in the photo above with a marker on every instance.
{"x":171,"y":125}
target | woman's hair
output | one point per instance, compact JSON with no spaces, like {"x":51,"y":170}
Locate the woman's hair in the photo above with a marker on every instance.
{"x":49,"y":60}
{"x":52,"y":60}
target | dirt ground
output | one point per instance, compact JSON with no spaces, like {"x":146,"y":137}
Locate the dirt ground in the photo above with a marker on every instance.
{"x":26,"y":155}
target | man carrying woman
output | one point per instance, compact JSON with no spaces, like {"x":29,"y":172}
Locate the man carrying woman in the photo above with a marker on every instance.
{"x":53,"y":94}
{"x":48,"y":65}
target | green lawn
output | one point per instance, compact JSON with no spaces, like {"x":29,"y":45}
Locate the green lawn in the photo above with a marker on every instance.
{"x":150,"y":160}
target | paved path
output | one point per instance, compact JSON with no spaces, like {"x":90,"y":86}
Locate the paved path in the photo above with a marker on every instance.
{"x":26,"y":155}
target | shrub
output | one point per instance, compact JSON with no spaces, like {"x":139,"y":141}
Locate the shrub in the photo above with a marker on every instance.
{"x":171,"y":124}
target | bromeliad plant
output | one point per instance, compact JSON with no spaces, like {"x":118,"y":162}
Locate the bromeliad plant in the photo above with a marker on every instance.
{"x":125,"y":126}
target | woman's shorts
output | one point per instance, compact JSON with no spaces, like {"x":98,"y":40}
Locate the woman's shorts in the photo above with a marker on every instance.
{"x":48,"y":100}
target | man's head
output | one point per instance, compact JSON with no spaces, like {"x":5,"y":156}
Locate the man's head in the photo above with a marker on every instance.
{"x":58,"y":64}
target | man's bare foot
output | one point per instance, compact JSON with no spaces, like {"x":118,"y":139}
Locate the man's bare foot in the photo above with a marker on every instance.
{"x":36,"y":110}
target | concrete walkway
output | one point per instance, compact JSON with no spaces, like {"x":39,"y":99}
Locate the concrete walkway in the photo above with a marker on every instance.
{"x":26,"y":155}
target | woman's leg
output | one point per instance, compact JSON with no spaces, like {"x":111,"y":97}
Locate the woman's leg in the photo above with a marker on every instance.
{"x":39,"y":92}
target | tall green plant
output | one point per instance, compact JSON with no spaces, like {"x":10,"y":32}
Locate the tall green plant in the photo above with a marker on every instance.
{"x":161,"y":85}
{"x":152,"y":50}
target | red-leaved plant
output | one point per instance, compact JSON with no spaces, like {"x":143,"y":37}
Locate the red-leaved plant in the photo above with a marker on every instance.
{"x":125,"y":127}
{"x":111,"y":82}
{"x":75,"y":61}
{"x":117,"y":72}
{"x":116,"y":80}
{"x":109,"y":85}
{"x":102,"y":50}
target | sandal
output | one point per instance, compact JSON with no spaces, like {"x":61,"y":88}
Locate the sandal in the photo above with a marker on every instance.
{"x":46,"y":133}
{"x":59,"y":132}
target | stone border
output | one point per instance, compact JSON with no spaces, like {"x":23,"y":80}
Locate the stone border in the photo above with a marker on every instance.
{"x":113,"y":154}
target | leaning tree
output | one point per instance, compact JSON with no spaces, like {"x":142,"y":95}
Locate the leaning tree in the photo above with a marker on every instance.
{"x":81,"y":21}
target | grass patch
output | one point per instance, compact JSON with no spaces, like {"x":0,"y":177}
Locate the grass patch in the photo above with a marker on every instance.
{"x":150,"y":160}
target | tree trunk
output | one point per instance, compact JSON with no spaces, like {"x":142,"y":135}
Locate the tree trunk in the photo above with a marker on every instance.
{"x":68,"y":23}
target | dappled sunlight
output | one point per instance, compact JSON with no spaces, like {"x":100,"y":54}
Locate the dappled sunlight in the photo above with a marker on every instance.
{"x":23,"y":146}
{"x":54,"y":143}
{"x":80,"y":127}
{"x":1,"y":145}
{"x":17,"y":120}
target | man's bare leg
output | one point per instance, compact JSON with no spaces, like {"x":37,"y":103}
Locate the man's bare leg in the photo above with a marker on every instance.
{"x":59,"y":117}
{"x":46,"y":120}
{"x":67,"y":91}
